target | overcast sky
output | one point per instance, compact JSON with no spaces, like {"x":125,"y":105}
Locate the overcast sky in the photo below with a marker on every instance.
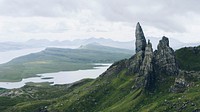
{"x":21,"y":20}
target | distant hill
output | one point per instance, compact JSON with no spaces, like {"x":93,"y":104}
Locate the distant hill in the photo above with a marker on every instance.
{"x":6,"y":46}
{"x":43,"y":43}
{"x":98,"y":47}
{"x":60,"y":59}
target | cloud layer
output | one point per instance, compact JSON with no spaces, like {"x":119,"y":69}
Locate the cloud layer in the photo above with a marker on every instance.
{"x":70,"y":19}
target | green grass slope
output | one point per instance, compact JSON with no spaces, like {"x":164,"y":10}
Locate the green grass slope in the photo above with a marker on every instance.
{"x":99,"y":47}
{"x":114,"y":93}
{"x":57,"y":59}
{"x":189,"y":58}
{"x":108,"y":93}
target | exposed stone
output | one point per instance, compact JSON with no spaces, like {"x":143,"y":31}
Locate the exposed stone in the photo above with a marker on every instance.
{"x":135,"y":62}
{"x":146,"y":69}
{"x":115,"y":68}
{"x":140,"y":39}
{"x":165,"y":61}
{"x":179,"y":85}
{"x":148,"y":66}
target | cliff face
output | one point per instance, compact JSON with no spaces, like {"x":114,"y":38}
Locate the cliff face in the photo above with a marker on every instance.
{"x":147,"y":67}
{"x":153,"y":64}
{"x":146,"y":64}
{"x":165,"y":61}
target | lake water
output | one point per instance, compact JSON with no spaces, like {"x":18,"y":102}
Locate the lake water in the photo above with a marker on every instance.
{"x":65,"y":77}
{"x":9,"y":55}
{"x":57,"y":78}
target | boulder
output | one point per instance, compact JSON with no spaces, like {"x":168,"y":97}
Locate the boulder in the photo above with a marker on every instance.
{"x":179,"y":85}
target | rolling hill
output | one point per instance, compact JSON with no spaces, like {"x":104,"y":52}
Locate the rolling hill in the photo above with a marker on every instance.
{"x":60,"y":59}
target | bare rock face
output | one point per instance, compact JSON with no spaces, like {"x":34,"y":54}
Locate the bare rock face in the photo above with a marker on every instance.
{"x":147,"y":69}
{"x":140,"y":39}
{"x":179,"y":85}
{"x":135,"y":62}
{"x":147,"y":66}
{"x":165,"y":61}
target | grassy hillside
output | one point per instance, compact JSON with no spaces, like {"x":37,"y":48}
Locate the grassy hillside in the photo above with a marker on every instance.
{"x":99,"y":47}
{"x":110,"y":93}
{"x":189,"y":58}
{"x":57,"y":59}
{"x":114,"y":93}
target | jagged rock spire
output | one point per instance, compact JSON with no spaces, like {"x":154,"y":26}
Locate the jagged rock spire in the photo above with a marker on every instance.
{"x":150,"y":67}
{"x":140,"y":39}
{"x":163,"y":43}
{"x":165,"y":58}
{"x":146,"y":69}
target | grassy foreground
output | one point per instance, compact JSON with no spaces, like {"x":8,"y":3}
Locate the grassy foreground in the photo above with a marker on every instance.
{"x":115,"y":94}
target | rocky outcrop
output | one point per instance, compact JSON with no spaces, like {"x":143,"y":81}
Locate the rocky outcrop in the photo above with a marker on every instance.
{"x":147,"y":69}
{"x":140,"y":39}
{"x":179,"y":86}
{"x":135,"y":62}
{"x":115,"y":68}
{"x":148,"y":66}
{"x":165,"y":61}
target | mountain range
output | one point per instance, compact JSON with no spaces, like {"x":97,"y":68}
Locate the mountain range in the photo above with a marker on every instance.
{"x":43,"y":43}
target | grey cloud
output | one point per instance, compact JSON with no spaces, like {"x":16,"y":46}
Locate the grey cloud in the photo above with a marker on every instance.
{"x":158,"y":13}
{"x":113,"y":9}
{"x":60,"y":27}
{"x":46,"y":8}
{"x":31,"y":29}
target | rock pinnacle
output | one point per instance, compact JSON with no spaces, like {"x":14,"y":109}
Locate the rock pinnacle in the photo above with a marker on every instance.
{"x":140,"y":39}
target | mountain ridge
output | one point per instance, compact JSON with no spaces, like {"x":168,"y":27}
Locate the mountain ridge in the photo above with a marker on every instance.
{"x":34,"y":43}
